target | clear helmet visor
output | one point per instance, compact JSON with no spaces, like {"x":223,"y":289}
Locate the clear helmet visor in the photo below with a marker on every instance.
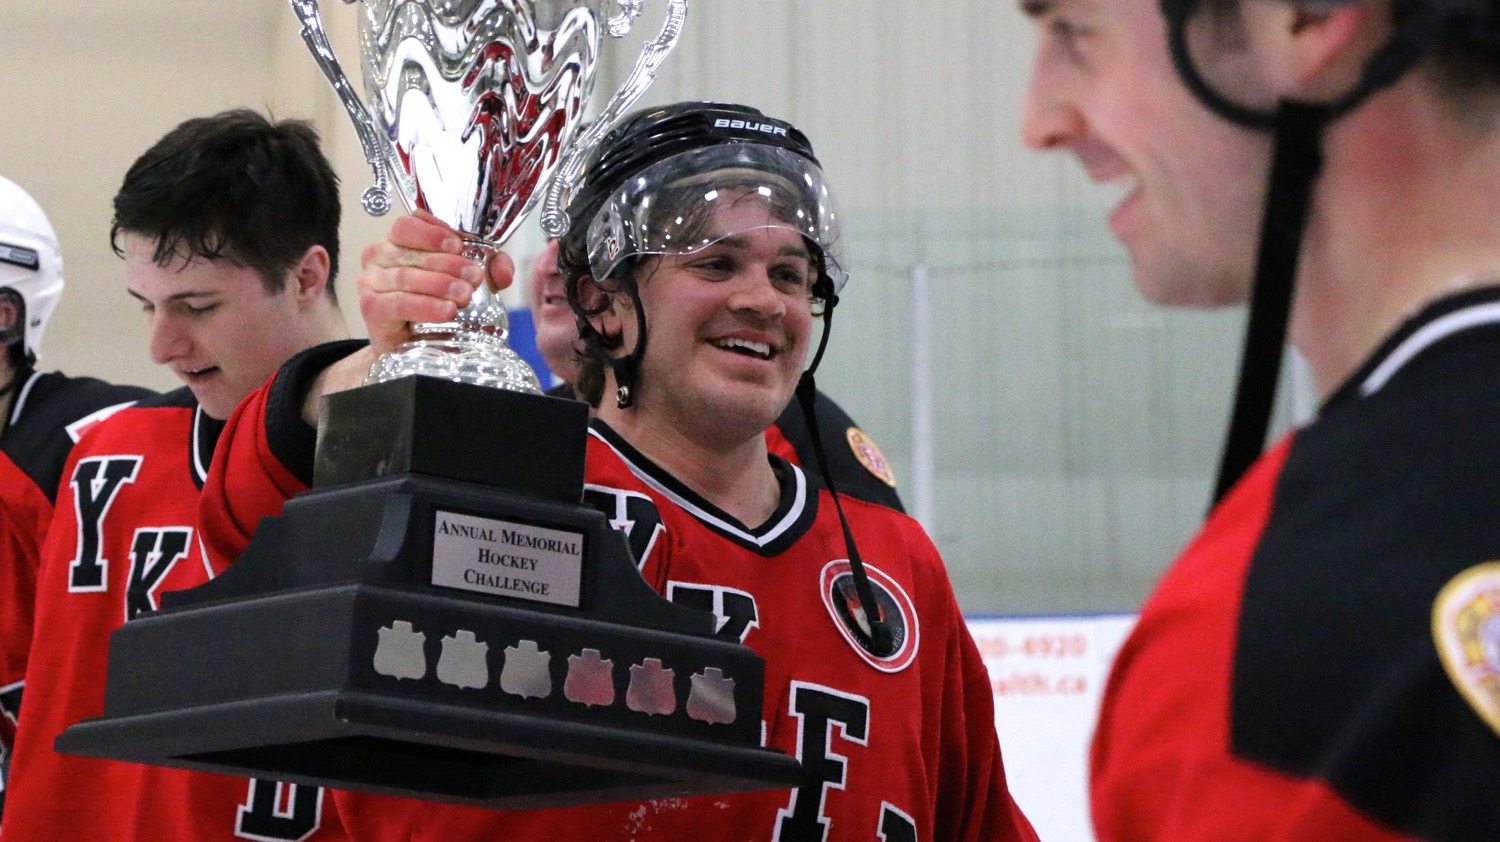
{"x":691,"y":201}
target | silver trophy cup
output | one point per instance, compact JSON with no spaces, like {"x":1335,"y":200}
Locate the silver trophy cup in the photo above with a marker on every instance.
{"x":473,"y":110}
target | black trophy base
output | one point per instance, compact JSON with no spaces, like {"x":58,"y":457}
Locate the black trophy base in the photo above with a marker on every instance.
{"x":408,"y":628}
{"x":281,"y":687}
{"x":526,"y":444}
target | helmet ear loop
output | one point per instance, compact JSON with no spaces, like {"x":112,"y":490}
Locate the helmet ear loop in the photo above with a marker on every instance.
{"x":1177,"y":13}
{"x":628,"y":368}
{"x":823,"y":291}
{"x":596,"y":344}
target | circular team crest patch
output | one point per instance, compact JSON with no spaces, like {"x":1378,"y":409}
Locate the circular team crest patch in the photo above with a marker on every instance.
{"x":896,"y":609}
{"x":1466,"y":628}
{"x":870,"y":456}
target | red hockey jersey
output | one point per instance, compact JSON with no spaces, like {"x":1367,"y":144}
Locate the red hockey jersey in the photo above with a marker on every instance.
{"x":904,"y":746}
{"x":24,"y":512}
{"x":1283,"y":682}
{"x":49,"y":413}
{"x":122,"y":534}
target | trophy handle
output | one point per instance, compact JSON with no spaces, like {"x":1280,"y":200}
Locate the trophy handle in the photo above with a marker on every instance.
{"x":554,"y":210}
{"x":619,"y":25}
{"x":376,"y":199}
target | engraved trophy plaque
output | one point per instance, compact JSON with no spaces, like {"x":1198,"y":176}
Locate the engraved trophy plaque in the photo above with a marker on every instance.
{"x":440,"y":616}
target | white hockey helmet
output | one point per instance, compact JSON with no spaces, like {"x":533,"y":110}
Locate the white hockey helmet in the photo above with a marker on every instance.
{"x":30,"y":262}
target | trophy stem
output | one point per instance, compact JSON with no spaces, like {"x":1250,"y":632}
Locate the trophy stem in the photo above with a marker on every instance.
{"x":485,"y":313}
{"x":470,"y":348}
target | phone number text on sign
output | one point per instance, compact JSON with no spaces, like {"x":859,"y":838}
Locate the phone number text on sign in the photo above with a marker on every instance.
{"x":998,"y":646}
{"x":1055,"y":657}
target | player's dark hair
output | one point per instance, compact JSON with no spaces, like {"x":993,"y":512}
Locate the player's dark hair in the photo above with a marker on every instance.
{"x":1465,"y":69}
{"x":1463,"y":63}
{"x":235,"y":186}
{"x":589,"y":383}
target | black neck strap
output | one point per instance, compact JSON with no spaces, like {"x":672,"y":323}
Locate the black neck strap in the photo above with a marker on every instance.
{"x":1296,"y":163}
{"x":832,"y":302}
{"x":881,"y":643}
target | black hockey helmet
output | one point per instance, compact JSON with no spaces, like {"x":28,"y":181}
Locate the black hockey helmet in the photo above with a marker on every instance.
{"x":656,"y":146}
{"x":1418,"y":28}
{"x":653,"y":186}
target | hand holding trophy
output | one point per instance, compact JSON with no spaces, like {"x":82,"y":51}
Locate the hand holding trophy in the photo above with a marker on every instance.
{"x":451,"y":621}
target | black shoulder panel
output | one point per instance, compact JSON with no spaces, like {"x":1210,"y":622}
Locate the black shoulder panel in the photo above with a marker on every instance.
{"x":1382,"y":501}
{"x":48,"y":411}
{"x":849,"y":474}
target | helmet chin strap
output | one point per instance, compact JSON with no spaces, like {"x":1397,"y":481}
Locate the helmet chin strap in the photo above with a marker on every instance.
{"x":628,"y":368}
{"x":1296,"y":162}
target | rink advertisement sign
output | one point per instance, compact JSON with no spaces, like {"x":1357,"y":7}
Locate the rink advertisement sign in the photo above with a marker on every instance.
{"x":516,"y":560}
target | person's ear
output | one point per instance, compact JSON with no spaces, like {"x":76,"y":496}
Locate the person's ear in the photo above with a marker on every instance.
{"x":310,"y":275}
{"x":1315,"y":54}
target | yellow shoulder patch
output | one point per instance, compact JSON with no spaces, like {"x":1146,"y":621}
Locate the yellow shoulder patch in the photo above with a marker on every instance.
{"x":870,"y":456}
{"x":1466,"y":629}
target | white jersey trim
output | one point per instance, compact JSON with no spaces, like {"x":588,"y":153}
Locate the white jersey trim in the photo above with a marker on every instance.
{"x":75,"y":429}
{"x":20,"y":404}
{"x":200,"y":470}
{"x":789,"y":520}
{"x":1424,"y":338}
